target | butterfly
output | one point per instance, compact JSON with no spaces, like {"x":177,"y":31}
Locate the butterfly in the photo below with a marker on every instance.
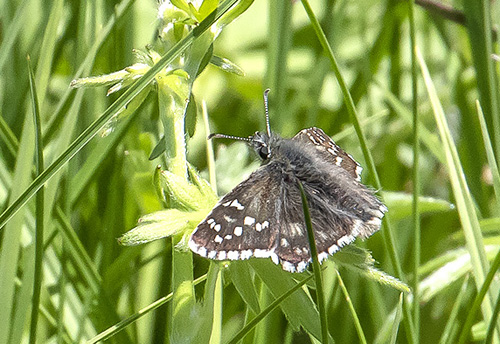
{"x":263,"y":217}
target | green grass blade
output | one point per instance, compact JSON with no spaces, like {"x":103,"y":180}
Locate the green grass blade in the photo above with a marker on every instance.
{"x":80,"y":181}
{"x":463,"y":198}
{"x":355,"y":317}
{"x":478,"y":15}
{"x":493,"y":321}
{"x":280,"y":44}
{"x":490,"y":154}
{"x":349,"y":103}
{"x":125,"y":322}
{"x":216,"y":333}
{"x":46,"y":56}
{"x":39,"y":224}
{"x":12,"y":32}
{"x":11,"y":240}
{"x":55,"y":121}
{"x":415,"y":172}
{"x":113,"y":109}
{"x":397,"y":319}
{"x":316,"y":267}
{"x":249,"y":326}
{"x":452,"y":325}
{"x":8,"y":137}
{"x":471,"y":316}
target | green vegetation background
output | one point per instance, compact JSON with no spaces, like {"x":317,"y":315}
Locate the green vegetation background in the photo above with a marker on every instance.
{"x":91,"y":283}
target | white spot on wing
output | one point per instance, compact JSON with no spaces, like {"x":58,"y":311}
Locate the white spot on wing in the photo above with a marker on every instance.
{"x":218,"y":239}
{"x":258,"y":227}
{"x":332,"y":249}
{"x":359,"y":169}
{"x":322,"y":256}
{"x":229,"y":219}
{"x":222,"y":255}
{"x":265,"y":224}
{"x":274,"y":258}
{"x":261,"y":253}
{"x":212,"y":254}
{"x":202,"y":251}
{"x":217,"y":227}
{"x":228,"y":237}
{"x":287,"y":266}
{"x":345,"y":240}
{"x":338,"y":161}
{"x":238,"y":231}
{"x":296,"y":229}
{"x":301,"y":266}
{"x":246,"y":254}
{"x":226,"y":204}
{"x":374,"y":221}
{"x":249,"y":220}
{"x":237,"y":205}
{"x":233,"y":255}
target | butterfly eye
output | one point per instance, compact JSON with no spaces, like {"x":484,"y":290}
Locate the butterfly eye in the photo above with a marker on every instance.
{"x":264,"y":152}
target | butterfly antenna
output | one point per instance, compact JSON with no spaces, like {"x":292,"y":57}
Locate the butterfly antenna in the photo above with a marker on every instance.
{"x":222,"y":136}
{"x":266,"y":108}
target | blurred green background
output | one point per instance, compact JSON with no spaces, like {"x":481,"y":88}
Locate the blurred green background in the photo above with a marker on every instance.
{"x":91,"y":283}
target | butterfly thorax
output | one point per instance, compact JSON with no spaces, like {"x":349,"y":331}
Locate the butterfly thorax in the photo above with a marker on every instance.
{"x":286,"y":154}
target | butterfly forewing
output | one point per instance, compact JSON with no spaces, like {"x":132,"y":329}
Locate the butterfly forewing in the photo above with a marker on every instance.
{"x":243,"y":223}
{"x":329,"y":150}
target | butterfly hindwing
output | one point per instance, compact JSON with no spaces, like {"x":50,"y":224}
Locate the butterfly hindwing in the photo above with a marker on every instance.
{"x":334,"y":219}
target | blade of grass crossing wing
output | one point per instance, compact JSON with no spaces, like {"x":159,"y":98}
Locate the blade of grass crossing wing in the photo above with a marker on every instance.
{"x":316,"y":267}
{"x":349,"y":103}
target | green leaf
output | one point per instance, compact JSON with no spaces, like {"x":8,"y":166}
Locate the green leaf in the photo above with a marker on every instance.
{"x":191,"y":115}
{"x":243,"y":280}
{"x":400,"y":204}
{"x":298,"y":308}
{"x":360,"y":261}
{"x":226,"y":65}
{"x":159,"y":149}
{"x":160,"y":225}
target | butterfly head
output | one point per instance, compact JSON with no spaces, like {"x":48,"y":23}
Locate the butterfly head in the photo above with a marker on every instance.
{"x":260,"y":142}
